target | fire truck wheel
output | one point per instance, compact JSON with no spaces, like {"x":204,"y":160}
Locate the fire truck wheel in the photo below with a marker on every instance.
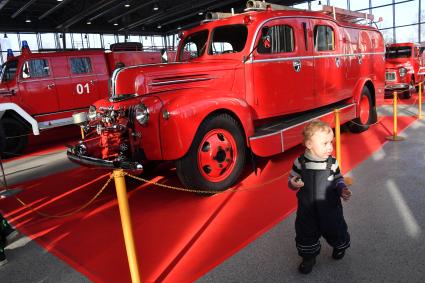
{"x":216,"y":157}
{"x":366,"y":115}
{"x":14,"y":137}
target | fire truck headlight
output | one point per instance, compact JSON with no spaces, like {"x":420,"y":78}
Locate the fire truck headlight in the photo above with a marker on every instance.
{"x":403,"y":72}
{"x":91,"y":115}
{"x":142,"y":114}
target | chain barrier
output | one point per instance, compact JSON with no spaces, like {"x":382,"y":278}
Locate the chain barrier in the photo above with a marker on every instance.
{"x":201,"y":191}
{"x":69,"y":213}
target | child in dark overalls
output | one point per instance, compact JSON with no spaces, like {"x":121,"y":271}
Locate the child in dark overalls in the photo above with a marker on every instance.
{"x":321,"y":186}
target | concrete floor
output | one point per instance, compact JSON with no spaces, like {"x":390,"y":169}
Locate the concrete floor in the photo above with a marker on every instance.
{"x":386,"y":219}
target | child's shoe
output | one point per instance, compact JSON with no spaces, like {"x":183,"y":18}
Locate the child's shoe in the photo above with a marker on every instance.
{"x":306,"y":266}
{"x":338,"y":254}
{"x":3,"y":259}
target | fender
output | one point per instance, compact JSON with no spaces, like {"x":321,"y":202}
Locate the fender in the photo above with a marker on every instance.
{"x":358,"y":91}
{"x":21,"y":112}
{"x":187,"y":109}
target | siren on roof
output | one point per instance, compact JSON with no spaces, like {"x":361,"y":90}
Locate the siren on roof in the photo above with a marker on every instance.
{"x":25,"y":48}
{"x":10,"y":54}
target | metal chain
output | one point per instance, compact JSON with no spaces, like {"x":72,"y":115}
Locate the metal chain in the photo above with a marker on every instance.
{"x":72,"y":212}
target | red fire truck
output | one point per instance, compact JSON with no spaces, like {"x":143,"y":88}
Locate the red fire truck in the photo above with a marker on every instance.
{"x":247,"y":83}
{"x":40,"y":91}
{"x":405,"y":67}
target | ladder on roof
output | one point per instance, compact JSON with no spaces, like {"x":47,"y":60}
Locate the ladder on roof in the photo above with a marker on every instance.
{"x":346,"y":15}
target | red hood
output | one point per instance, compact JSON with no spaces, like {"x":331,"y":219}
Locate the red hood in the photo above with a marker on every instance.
{"x":161,"y":77}
{"x":396,"y":64}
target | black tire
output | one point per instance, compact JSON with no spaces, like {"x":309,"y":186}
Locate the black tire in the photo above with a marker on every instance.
{"x":356,"y":125}
{"x":15,"y":137}
{"x":195,"y":176}
{"x":2,"y":140}
{"x":408,"y":93}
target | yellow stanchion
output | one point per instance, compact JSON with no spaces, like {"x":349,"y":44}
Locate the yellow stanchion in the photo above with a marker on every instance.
{"x":126,"y":225}
{"x":82,"y":132}
{"x":420,"y":101}
{"x":395,"y":137}
{"x":348,"y":181}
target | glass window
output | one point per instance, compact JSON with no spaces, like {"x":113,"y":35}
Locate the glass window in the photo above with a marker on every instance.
{"x":339,"y":3}
{"x":8,"y":71}
{"x":94,"y":40}
{"x":388,"y":36}
{"x":386,"y":13}
{"x":323,"y":38}
{"x":80,"y":65}
{"x":48,"y":41}
{"x":407,"y":34}
{"x":194,"y":45}
{"x":36,"y":68}
{"x":303,"y":6}
{"x":228,"y":39}
{"x":279,"y":39}
{"x":406,"y":13}
{"x":108,"y":39}
{"x":356,"y":5}
{"x":31,"y":39}
{"x":315,"y":6}
{"x":398,"y":52}
{"x":380,"y":2}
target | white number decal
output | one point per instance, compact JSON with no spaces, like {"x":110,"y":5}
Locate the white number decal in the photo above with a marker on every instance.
{"x":80,"y":88}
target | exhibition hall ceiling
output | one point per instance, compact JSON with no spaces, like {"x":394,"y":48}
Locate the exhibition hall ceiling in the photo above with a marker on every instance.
{"x":111,"y":16}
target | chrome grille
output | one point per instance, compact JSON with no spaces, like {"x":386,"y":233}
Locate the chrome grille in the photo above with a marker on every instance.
{"x":390,"y":76}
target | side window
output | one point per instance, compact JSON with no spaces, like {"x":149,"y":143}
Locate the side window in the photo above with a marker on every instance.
{"x":37,"y":68}
{"x":194,"y":45}
{"x":80,"y":65}
{"x":228,"y":39}
{"x":324,"y":38}
{"x":280,"y":39}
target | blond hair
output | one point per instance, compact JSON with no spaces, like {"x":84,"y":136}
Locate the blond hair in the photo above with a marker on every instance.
{"x":314,"y":127}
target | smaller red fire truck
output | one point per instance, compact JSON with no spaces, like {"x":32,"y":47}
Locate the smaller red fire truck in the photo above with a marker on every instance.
{"x":405,"y":68}
{"x":42,"y":90}
{"x":242,"y":84}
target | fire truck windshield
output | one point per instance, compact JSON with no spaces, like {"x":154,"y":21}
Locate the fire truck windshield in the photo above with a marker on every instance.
{"x":194,"y":45}
{"x":399,"y":52}
{"x":8,"y":71}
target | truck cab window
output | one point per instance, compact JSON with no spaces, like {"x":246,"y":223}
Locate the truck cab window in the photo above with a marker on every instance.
{"x":8,"y":71}
{"x":80,"y":65}
{"x":281,"y":40}
{"x":228,"y":39}
{"x":37,"y":68}
{"x":194,"y":45}
{"x":398,"y":52}
{"x":324,"y":38}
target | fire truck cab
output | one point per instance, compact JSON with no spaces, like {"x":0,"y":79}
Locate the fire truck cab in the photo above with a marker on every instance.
{"x":405,"y":68}
{"x":245,"y":83}
{"x":42,"y":90}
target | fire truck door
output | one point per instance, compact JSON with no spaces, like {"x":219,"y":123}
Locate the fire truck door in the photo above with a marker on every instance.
{"x":37,"y":87}
{"x":81,"y":88}
{"x":330,"y":63}
{"x":283,"y":68}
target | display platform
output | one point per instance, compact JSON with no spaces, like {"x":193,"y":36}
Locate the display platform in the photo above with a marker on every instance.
{"x":179,"y":236}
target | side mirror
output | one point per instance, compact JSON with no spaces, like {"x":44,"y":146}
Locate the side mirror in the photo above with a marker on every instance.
{"x":265,"y":37}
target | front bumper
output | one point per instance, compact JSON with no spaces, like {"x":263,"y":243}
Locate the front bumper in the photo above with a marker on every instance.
{"x":98,"y":162}
{"x":399,"y":86}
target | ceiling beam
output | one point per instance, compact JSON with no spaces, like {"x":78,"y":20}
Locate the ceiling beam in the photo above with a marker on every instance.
{"x":131,"y":11}
{"x":106,"y":11}
{"x":92,"y":9}
{"x":3,"y":3}
{"x":23,"y":8}
{"x":48,"y":12}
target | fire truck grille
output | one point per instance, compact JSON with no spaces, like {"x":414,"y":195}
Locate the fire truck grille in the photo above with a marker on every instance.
{"x":390,"y":76}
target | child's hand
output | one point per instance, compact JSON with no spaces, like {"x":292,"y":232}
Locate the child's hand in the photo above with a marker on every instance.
{"x":296,"y":182}
{"x":345,"y":194}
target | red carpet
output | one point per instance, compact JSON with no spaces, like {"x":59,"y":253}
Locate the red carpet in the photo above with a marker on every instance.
{"x":179,"y":236}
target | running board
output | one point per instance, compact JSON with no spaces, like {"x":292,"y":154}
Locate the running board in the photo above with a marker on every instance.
{"x":276,"y":137}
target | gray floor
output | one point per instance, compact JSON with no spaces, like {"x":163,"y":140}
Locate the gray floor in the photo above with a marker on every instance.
{"x":386,"y":218}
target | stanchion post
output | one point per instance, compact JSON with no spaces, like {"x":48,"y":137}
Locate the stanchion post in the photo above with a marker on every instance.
{"x":82,"y":132}
{"x":420,"y":101}
{"x":126,"y":225}
{"x":348,"y":181}
{"x":395,"y":136}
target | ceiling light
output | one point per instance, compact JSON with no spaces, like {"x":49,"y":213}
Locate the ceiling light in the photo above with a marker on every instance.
{"x":115,"y":24}
{"x":5,"y":35}
{"x":155,"y":7}
{"x":179,"y":27}
{"x":127,"y":4}
{"x":159,"y":26}
{"x":59,"y":0}
{"x":200,"y":13}
{"x":28,"y":20}
{"x":89,"y":23}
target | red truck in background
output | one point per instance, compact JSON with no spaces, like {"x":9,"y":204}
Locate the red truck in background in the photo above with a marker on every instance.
{"x":42,"y":90}
{"x":242,"y":84}
{"x":405,"y":68}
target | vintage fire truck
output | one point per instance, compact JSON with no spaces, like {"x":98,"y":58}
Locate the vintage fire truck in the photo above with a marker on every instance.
{"x":244,"y":84}
{"x":405,"y":68}
{"x":42,"y":90}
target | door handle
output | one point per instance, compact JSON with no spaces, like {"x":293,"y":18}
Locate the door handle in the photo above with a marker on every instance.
{"x":50,"y":86}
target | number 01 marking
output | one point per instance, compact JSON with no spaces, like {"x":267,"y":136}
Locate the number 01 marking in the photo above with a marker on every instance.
{"x":80,"y":88}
